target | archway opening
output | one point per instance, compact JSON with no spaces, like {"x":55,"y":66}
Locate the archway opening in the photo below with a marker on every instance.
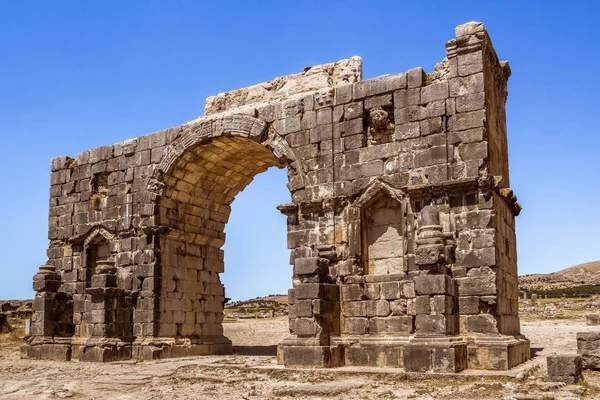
{"x":257,"y":271}
{"x":193,"y":210}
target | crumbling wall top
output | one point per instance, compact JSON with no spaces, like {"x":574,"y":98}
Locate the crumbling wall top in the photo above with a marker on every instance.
{"x":311,"y":79}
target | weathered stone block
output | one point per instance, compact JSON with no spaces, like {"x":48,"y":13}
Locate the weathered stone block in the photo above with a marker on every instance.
{"x":378,"y":101}
{"x":104,"y":281}
{"x":588,"y":347}
{"x":408,"y":289}
{"x":436,"y":91}
{"x":432,"y":324}
{"x":470,"y":63}
{"x":467,"y":120}
{"x":436,"y":358}
{"x":311,"y":266}
{"x":418,"y":359}
{"x":56,"y":352}
{"x":407,"y":130}
{"x":353,"y":292}
{"x":416,"y":77}
{"x":390,"y":290}
{"x":303,"y":308}
{"x":476,"y":219}
{"x":433,"y":284}
{"x":468,"y":305}
{"x":470,"y":102}
{"x":473,"y":151}
{"x":356,"y":326}
{"x":482,"y":323}
{"x":442,"y":304}
{"x":407,"y":98}
{"x":354,"y":308}
{"x":565,"y":368}
{"x":398,"y":307}
{"x":466,"y":85}
{"x":310,"y":356}
{"x":353,"y":110}
{"x":423,"y":305}
{"x":452,"y":359}
{"x":373,"y":291}
{"x":477,"y":286}
{"x":390,"y":325}
{"x":382,"y":84}
{"x":476,"y":257}
{"x":378,"y":308}
{"x":592,"y":319}
{"x":306,"y":327}
{"x":469,"y":28}
{"x":317,"y":291}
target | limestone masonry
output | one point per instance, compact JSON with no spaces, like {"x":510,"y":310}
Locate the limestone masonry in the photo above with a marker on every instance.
{"x":401,"y":225}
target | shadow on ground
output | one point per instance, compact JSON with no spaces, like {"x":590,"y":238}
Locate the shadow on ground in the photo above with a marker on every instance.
{"x":535,"y":351}
{"x":255,"y":350}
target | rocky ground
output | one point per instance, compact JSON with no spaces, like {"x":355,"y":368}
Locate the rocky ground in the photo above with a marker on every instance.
{"x":252,"y":373}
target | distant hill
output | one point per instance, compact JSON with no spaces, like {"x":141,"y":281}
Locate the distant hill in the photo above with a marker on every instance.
{"x":583,"y":279}
{"x":271,"y":301}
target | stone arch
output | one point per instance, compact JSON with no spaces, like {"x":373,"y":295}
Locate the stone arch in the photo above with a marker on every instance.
{"x":190,"y":196}
{"x":204,"y":131}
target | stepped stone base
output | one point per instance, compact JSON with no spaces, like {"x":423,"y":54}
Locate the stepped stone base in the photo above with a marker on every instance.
{"x":158,"y":348}
{"x":414,"y":354}
{"x":106,"y":350}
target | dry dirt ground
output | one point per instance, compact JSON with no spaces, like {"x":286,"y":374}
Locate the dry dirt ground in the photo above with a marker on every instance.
{"x":252,"y":373}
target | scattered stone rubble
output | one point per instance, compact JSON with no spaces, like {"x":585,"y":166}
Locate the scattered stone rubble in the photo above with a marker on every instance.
{"x":16,"y":308}
{"x":3,"y":322}
{"x":13,"y":310}
{"x":592,"y":319}
{"x":558,"y":309}
{"x":401,"y":225}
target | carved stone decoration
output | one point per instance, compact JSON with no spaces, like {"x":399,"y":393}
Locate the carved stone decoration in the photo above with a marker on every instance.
{"x":379,"y":125}
{"x":431,"y":243}
{"x":324,"y":97}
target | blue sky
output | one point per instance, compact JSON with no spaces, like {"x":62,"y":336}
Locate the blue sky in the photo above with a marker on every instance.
{"x":76,"y":74}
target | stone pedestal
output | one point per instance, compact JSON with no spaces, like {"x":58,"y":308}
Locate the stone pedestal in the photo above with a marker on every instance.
{"x":497,"y":352}
{"x":588,"y":347}
{"x":565,"y":368}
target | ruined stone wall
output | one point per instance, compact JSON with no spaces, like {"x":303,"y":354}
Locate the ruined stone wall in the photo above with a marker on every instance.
{"x":400,"y":225}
